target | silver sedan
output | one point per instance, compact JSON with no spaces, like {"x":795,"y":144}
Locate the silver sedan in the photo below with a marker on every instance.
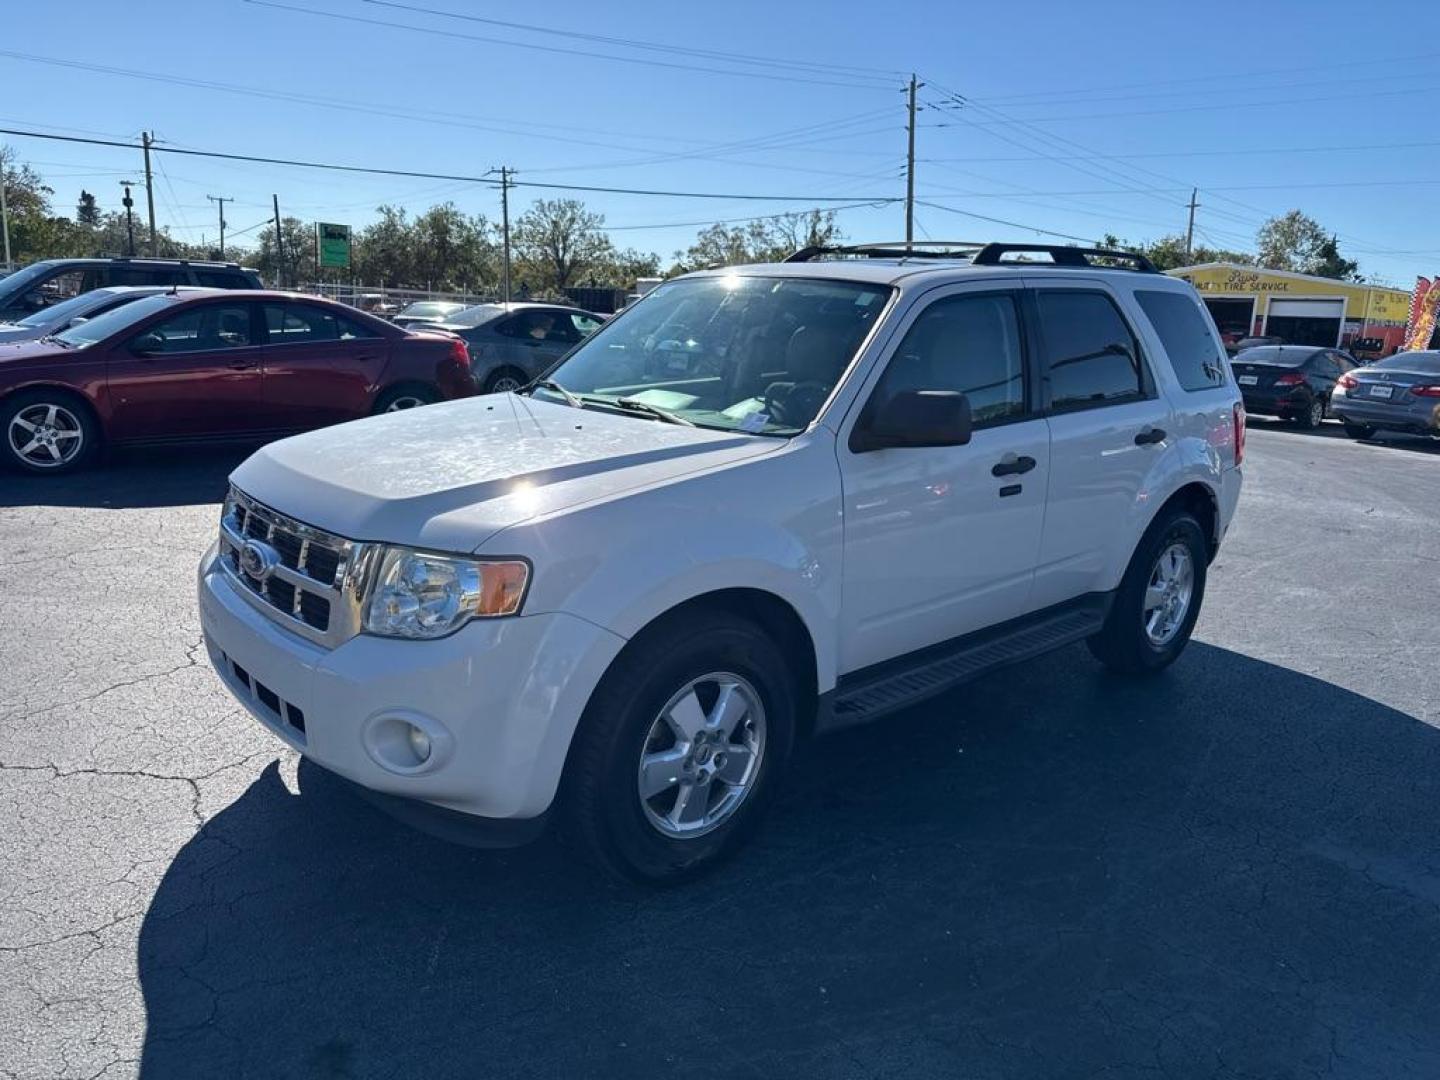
{"x":1399,"y":393}
{"x":513,"y":344}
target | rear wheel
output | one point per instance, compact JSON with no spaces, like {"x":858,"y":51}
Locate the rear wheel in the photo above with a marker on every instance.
{"x":1155,"y":608}
{"x":47,"y":431}
{"x":399,"y":398}
{"x":1359,"y":431}
{"x":504,"y":380}
{"x":1313,"y":416}
{"x":680,"y":749}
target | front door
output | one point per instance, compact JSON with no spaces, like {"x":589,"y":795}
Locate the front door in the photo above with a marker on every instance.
{"x":193,"y":374}
{"x":320,"y":367}
{"x":941,"y":541}
{"x":1107,"y":424}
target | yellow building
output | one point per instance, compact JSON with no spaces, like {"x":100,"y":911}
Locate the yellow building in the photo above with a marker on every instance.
{"x":1246,"y":301}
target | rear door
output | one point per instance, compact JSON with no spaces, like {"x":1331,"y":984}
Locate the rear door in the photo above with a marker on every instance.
{"x":1103,"y":410}
{"x":194,"y":373}
{"x":533,"y":339}
{"x":319,"y":367}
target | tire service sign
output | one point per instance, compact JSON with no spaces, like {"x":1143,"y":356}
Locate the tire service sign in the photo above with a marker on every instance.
{"x":333,"y":244}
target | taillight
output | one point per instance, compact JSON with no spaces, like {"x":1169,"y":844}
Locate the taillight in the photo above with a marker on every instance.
{"x":1429,"y":390}
{"x":459,"y":353}
{"x":1239,"y":433}
{"x":1290,"y":378}
{"x":1347,"y":382}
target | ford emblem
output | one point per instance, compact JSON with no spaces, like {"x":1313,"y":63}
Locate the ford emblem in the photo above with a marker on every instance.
{"x":257,"y":559}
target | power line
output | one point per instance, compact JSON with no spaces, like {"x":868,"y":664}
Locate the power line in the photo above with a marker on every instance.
{"x":873,"y":204}
{"x":1002,"y":221}
{"x":377,"y":171}
{"x":455,"y":34}
{"x":1259,"y":151}
{"x":631,"y":43}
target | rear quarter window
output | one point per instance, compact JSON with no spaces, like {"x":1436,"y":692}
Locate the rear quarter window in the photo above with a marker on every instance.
{"x":1184,"y":329}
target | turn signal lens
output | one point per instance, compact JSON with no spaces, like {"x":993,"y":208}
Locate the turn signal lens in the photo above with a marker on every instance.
{"x":1349,"y":382}
{"x":1290,"y":378}
{"x":1239,"y":417}
{"x":1432,"y":390}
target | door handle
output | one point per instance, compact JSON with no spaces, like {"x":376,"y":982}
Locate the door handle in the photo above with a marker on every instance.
{"x":1010,"y":465}
{"x":242,"y":365}
{"x":1150,"y":435}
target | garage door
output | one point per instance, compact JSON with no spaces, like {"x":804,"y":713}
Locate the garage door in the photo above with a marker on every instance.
{"x":1306,"y":322}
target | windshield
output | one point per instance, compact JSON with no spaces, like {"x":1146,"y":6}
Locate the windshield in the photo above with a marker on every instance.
{"x":1427,"y":363}
{"x":61,"y":313}
{"x":754,"y":354}
{"x":476,"y":316}
{"x":1275,"y":356}
{"x":430,"y":309}
{"x":18,"y":281}
{"x":114,"y":321}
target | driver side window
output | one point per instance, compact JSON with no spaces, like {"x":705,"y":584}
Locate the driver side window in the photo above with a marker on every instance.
{"x":967,"y":343}
{"x":202,"y":329}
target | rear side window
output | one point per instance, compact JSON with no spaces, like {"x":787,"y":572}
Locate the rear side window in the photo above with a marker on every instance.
{"x":965,"y":343}
{"x":143,"y":275}
{"x":299,"y":324}
{"x":222,"y":279}
{"x":1184,"y":330}
{"x":1090,"y":356}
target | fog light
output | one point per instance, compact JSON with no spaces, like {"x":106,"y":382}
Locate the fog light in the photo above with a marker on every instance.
{"x":419,"y":744}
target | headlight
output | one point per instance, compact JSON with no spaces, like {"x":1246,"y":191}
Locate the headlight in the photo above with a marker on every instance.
{"x":421,"y":595}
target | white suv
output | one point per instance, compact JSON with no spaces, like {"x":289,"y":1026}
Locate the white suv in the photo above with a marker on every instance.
{"x":762,"y":503}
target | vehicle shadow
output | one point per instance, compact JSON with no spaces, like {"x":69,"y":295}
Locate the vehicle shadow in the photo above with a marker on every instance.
{"x":1333,"y":429}
{"x":131,"y":478}
{"x":1230,"y":869}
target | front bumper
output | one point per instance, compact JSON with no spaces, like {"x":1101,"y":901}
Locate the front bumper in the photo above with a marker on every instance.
{"x":499,"y":698}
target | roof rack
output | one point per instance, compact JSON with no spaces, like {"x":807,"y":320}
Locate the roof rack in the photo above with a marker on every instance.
{"x":993,"y":255}
{"x":891,"y":249}
{"x":182,"y":262}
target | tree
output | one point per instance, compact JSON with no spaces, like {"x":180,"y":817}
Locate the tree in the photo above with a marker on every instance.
{"x":86,"y":212}
{"x":1168,"y":252}
{"x":1297,"y":242}
{"x":299,"y":250}
{"x":452,"y":251}
{"x":558,"y":240}
{"x":762,"y":240}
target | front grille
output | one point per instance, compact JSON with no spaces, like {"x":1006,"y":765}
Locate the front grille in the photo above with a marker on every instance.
{"x":274,"y":704}
{"x":311,"y":577}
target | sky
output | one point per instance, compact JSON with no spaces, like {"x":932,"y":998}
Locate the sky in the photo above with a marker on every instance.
{"x":1047,"y":121}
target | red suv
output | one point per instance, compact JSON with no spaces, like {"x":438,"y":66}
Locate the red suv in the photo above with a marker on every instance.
{"x":232,"y":364}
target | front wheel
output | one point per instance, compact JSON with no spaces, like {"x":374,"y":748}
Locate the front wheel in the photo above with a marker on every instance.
{"x":680,"y":749}
{"x":1155,"y":608}
{"x":47,"y":431}
{"x":399,"y":398}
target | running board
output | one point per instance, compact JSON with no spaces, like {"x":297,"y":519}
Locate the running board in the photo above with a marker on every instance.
{"x":907,"y":680}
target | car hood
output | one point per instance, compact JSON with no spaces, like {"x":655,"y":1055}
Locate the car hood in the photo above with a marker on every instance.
{"x":15,"y":351}
{"x":450,"y":476}
{"x":12,"y":332}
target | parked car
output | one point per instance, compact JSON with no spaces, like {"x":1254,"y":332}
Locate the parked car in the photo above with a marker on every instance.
{"x":511,"y":344}
{"x":628,"y":592}
{"x":427,"y":311}
{"x":1240,"y":344}
{"x":77,"y":309}
{"x":1294,"y":382}
{"x":207,"y":365}
{"x":44,"y":284}
{"x":1399,"y":393}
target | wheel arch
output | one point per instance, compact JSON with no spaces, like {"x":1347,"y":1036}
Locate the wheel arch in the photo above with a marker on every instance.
{"x":1202,"y":501}
{"x":77,"y":396}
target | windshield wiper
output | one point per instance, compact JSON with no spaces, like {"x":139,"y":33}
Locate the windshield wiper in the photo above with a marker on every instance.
{"x":51,"y":339}
{"x":636,"y":405}
{"x":555,"y":388}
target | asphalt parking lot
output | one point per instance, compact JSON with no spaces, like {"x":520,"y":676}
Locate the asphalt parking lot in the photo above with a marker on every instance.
{"x":1229,"y":871}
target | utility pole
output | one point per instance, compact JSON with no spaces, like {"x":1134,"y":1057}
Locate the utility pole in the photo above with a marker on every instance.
{"x":910,"y":170}
{"x":221,"y":200}
{"x":279,"y":245}
{"x":1190,"y":228}
{"x":505,"y":230}
{"x":4,"y":215}
{"x":150,"y":195}
{"x":129,"y":205}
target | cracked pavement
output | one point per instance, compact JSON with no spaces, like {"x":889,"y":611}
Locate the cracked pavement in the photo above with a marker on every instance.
{"x":1230,"y":871}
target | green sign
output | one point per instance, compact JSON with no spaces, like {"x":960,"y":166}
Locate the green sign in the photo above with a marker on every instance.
{"x":333,"y":242}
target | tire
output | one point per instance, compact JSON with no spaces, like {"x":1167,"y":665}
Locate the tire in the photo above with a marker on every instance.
{"x":1359,"y":431}
{"x":504,"y":380}
{"x":407,"y":396}
{"x":647,"y":840}
{"x":1313,"y":416}
{"x":47,"y":431}
{"x":1128,"y":642}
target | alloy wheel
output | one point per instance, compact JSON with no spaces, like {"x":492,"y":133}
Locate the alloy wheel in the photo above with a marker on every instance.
{"x":1168,"y":594}
{"x":408,"y":401}
{"x":46,"y":435}
{"x":702,"y":755}
{"x":505,"y":384}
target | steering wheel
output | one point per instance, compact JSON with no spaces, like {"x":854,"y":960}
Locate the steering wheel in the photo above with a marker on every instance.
{"x":778,"y":407}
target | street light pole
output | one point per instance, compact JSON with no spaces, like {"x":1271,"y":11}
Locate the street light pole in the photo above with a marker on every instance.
{"x":4,"y":215}
{"x":221,"y":200}
{"x":129,"y":205}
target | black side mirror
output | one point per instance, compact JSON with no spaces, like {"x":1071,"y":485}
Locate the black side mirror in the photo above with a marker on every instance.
{"x":147,"y":345}
{"x":34,"y":301}
{"x":915,"y":418}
